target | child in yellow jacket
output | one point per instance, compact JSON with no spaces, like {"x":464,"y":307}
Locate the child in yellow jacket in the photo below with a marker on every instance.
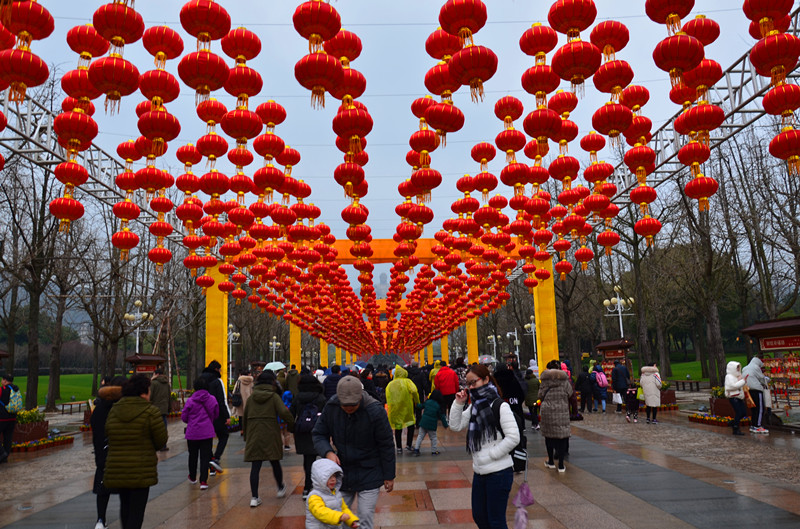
{"x":325,"y":507}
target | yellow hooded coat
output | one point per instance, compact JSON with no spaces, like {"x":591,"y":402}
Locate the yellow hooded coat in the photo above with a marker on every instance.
{"x":402,"y":397}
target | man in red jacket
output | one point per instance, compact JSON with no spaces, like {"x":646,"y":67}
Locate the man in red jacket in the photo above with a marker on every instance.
{"x":446,"y":381}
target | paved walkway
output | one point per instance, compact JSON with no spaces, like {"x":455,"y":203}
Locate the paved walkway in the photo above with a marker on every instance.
{"x":675,"y":474}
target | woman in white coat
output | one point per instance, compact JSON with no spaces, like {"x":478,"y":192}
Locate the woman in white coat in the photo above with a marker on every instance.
{"x":490,"y":442}
{"x":651,"y":387}
{"x":734,"y":382}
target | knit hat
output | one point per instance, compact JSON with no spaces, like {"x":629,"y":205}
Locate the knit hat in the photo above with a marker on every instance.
{"x":349,"y":391}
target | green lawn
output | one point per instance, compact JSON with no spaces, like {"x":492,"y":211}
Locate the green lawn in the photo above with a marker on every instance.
{"x":681,"y":369}
{"x":79,"y":386}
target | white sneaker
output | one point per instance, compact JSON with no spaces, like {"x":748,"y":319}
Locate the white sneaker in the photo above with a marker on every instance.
{"x":99,"y":525}
{"x":255,"y":502}
{"x":281,"y":491}
{"x":762,"y":430}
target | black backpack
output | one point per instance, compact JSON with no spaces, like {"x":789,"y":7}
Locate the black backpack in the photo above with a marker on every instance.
{"x":520,"y":453}
{"x":307,"y":418}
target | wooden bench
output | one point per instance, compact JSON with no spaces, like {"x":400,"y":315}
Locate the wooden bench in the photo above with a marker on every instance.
{"x":72,"y":405}
{"x":681,"y":385}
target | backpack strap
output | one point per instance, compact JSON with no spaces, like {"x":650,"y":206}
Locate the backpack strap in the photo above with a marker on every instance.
{"x":496,"y":403}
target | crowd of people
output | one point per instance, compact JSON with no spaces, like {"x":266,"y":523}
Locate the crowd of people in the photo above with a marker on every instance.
{"x":347,"y":423}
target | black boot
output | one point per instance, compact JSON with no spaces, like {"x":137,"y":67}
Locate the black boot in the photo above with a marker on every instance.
{"x":737,"y":431}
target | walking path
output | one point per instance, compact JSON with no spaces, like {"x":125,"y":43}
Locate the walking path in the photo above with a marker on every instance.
{"x":675,"y":473}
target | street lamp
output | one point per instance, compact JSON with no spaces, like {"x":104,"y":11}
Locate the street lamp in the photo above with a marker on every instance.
{"x":618,"y":305}
{"x":492,"y":339}
{"x":273,"y":345}
{"x":530,"y":329}
{"x":516,"y":341}
{"x":233,"y":337}
{"x":138,"y":320}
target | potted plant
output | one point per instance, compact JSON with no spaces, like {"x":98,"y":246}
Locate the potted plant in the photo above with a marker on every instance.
{"x":667,"y":395}
{"x":718,"y":404}
{"x":31,"y":425}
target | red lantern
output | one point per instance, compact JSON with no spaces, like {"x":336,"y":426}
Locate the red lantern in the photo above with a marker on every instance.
{"x":473,"y":66}
{"x":345,"y":46}
{"x":539,"y":81}
{"x":463,"y":18}
{"x":635,"y":97}
{"x":160,"y":127}
{"x":163,"y":43}
{"x":583,"y":255}
{"x":483,"y":153}
{"x":75,"y":130}
{"x":538,"y":41}
{"x":86,"y":42}
{"x":693,"y":154}
{"x":678,"y":54}
{"x":703,"y":77}
{"x":702,"y":119}
{"x":669,"y":12}
{"x":444,"y":118}
{"x":576,"y":61}
{"x":701,"y":188}
{"x":204,"y":72}
{"x":510,"y":141}
{"x":243,"y":83}
{"x":571,"y":17}
{"x":353,"y":86}
{"x":703,"y":29}
{"x":542,"y":124}
{"x":271,"y":113}
{"x":352,"y":123}
{"x":608,"y":239}
{"x":782,"y":100}
{"x":441,"y":44}
{"x":159,"y":256}
{"x":613,"y":77}
{"x":563,"y":268}
{"x":439,"y":81}
{"x":205,"y":20}
{"x":639,"y":160}
{"x":767,"y":12}
{"x":316,"y":21}
{"x":681,"y":94}
{"x":211,"y":112}
{"x":241,"y":45}
{"x":776,"y":55}
{"x":160,"y":87}
{"x":612,"y":119}
{"x":786,"y":146}
{"x":125,"y":241}
{"x":318,"y":72}
{"x":66,"y":210}
{"x":119,"y":24}
{"x":21,"y":69}
{"x":610,"y":37}
{"x":643,"y":195}
{"x":648,"y":227}
{"x":592,"y":143}
{"x":242,"y":125}
{"x":116,"y":78}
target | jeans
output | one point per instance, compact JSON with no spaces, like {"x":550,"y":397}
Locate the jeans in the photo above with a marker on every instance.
{"x":599,"y":403}
{"x":132,"y":505}
{"x":430,"y":433}
{"x":758,"y":411}
{"x":367,"y":500}
{"x":202,"y":448}
{"x":490,"y":498}
{"x":255,"y":468}
{"x":739,"y":411}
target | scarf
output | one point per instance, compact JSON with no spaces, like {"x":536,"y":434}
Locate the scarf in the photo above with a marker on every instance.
{"x":483,"y":425}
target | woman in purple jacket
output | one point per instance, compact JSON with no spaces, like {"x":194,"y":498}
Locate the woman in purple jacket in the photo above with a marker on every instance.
{"x":199,"y":413}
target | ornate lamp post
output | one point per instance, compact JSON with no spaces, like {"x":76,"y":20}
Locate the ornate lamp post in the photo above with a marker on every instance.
{"x":137,"y":320}
{"x":273,"y":345}
{"x":530,"y":329}
{"x":619,"y":306}
{"x":233,"y":337}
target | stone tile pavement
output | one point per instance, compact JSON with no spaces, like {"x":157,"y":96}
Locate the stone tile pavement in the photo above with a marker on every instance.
{"x":674,"y":474}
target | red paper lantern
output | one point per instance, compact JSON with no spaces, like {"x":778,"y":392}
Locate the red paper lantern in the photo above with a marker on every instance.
{"x":576,"y":61}
{"x":205,"y":20}
{"x":125,"y":241}
{"x":702,"y":119}
{"x":119,"y":24}
{"x":643,"y":195}
{"x":539,"y":81}
{"x":243,"y":83}
{"x":439,"y":81}
{"x":608,"y":239}
{"x":317,"y":22}
{"x":703,"y":29}
{"x":29,"y":21}
{"x":463,"y":18}
{"x":612,"y":119}
{"x":345,"y":46}
{"x":583,"y":255}
{"x":473,"y":66}
{"x":444,"y":118}
{"x":701,"y":188}
{"x":159,"y":256}
{"x":352,"y":123}
{"x":163,"y":43}
{"x":160,"y":127}
{"x":782,"y":100}
{"x":648,"y":227}
{"x":271,"y":113}
{"x":66,"y":210}
{"x":678,"y":54}
{"x":612,"y":77}
{"x":318,"y":72}
{"x":538,"y":41}
{"x":703,"y":77}
{"x":669,"y":12}
{"x":776,"y":55}
{"x":592,"y":143}
{"x":204,"y":72}
{"x":75,"y":130}
{"x":211,"y":112}
{"x":86,"y":42}
{"x":21,"y":69}
{"x":159,"y":87}
{"x":693,"y":154}
{"x":571,"y":17}
{"x":766,"y":12}
{"x":542,"y":124}
{"x":441,"y":44}
{"x":639,"y":160}
{"x":635,"y":97}
{"x":353,"y":86}
{"x":482,"y":153}
{"x":610,"y":37}
{"x":563,"y":268}
{"x":242,"y":125}
{"x":786,"y":146}
{"x":241,"y":45}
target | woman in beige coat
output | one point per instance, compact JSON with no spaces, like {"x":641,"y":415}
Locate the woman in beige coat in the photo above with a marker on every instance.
{"x":245,"y":386}
{"x":651,"y":387}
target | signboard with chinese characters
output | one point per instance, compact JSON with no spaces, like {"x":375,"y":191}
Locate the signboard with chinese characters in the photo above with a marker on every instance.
{"x":782,"y":343}
{"x":614,"y":354}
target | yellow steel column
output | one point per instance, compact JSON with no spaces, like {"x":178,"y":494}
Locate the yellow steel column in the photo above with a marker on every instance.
{"x":544,"y":297}
{"x":217,"y":325}
{"x":472,"y":341}
{"x":338,"y":359}
{"x":445,"y":351}
{"x":323,"y":353}
{"x":295,"y":334}
{"x":430,"y":353}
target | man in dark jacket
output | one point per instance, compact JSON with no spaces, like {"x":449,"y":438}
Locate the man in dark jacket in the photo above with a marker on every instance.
{"x":329,"y":386}
{"x":619,"y":380}
{"x":213,"y":376}
{"x":358,"y":426}
{"x":7,"y":420}
{"x":159,"y":395}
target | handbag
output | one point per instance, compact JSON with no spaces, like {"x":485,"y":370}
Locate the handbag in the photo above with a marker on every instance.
{"x":639,"y":393}
{"x":236,"y":398}
{"x":616,"y":398}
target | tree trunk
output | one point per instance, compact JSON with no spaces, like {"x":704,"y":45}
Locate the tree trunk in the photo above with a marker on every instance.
{"x":110,"y":367}
{"x":95,"y":358}
{"x":716,"y":352}
{"x":664,"y":362}
{"x":31,"y":397}
{"x":54,"y":380}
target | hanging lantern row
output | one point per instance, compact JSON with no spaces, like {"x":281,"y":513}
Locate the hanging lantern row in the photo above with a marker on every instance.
{"x":20,"y":68}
